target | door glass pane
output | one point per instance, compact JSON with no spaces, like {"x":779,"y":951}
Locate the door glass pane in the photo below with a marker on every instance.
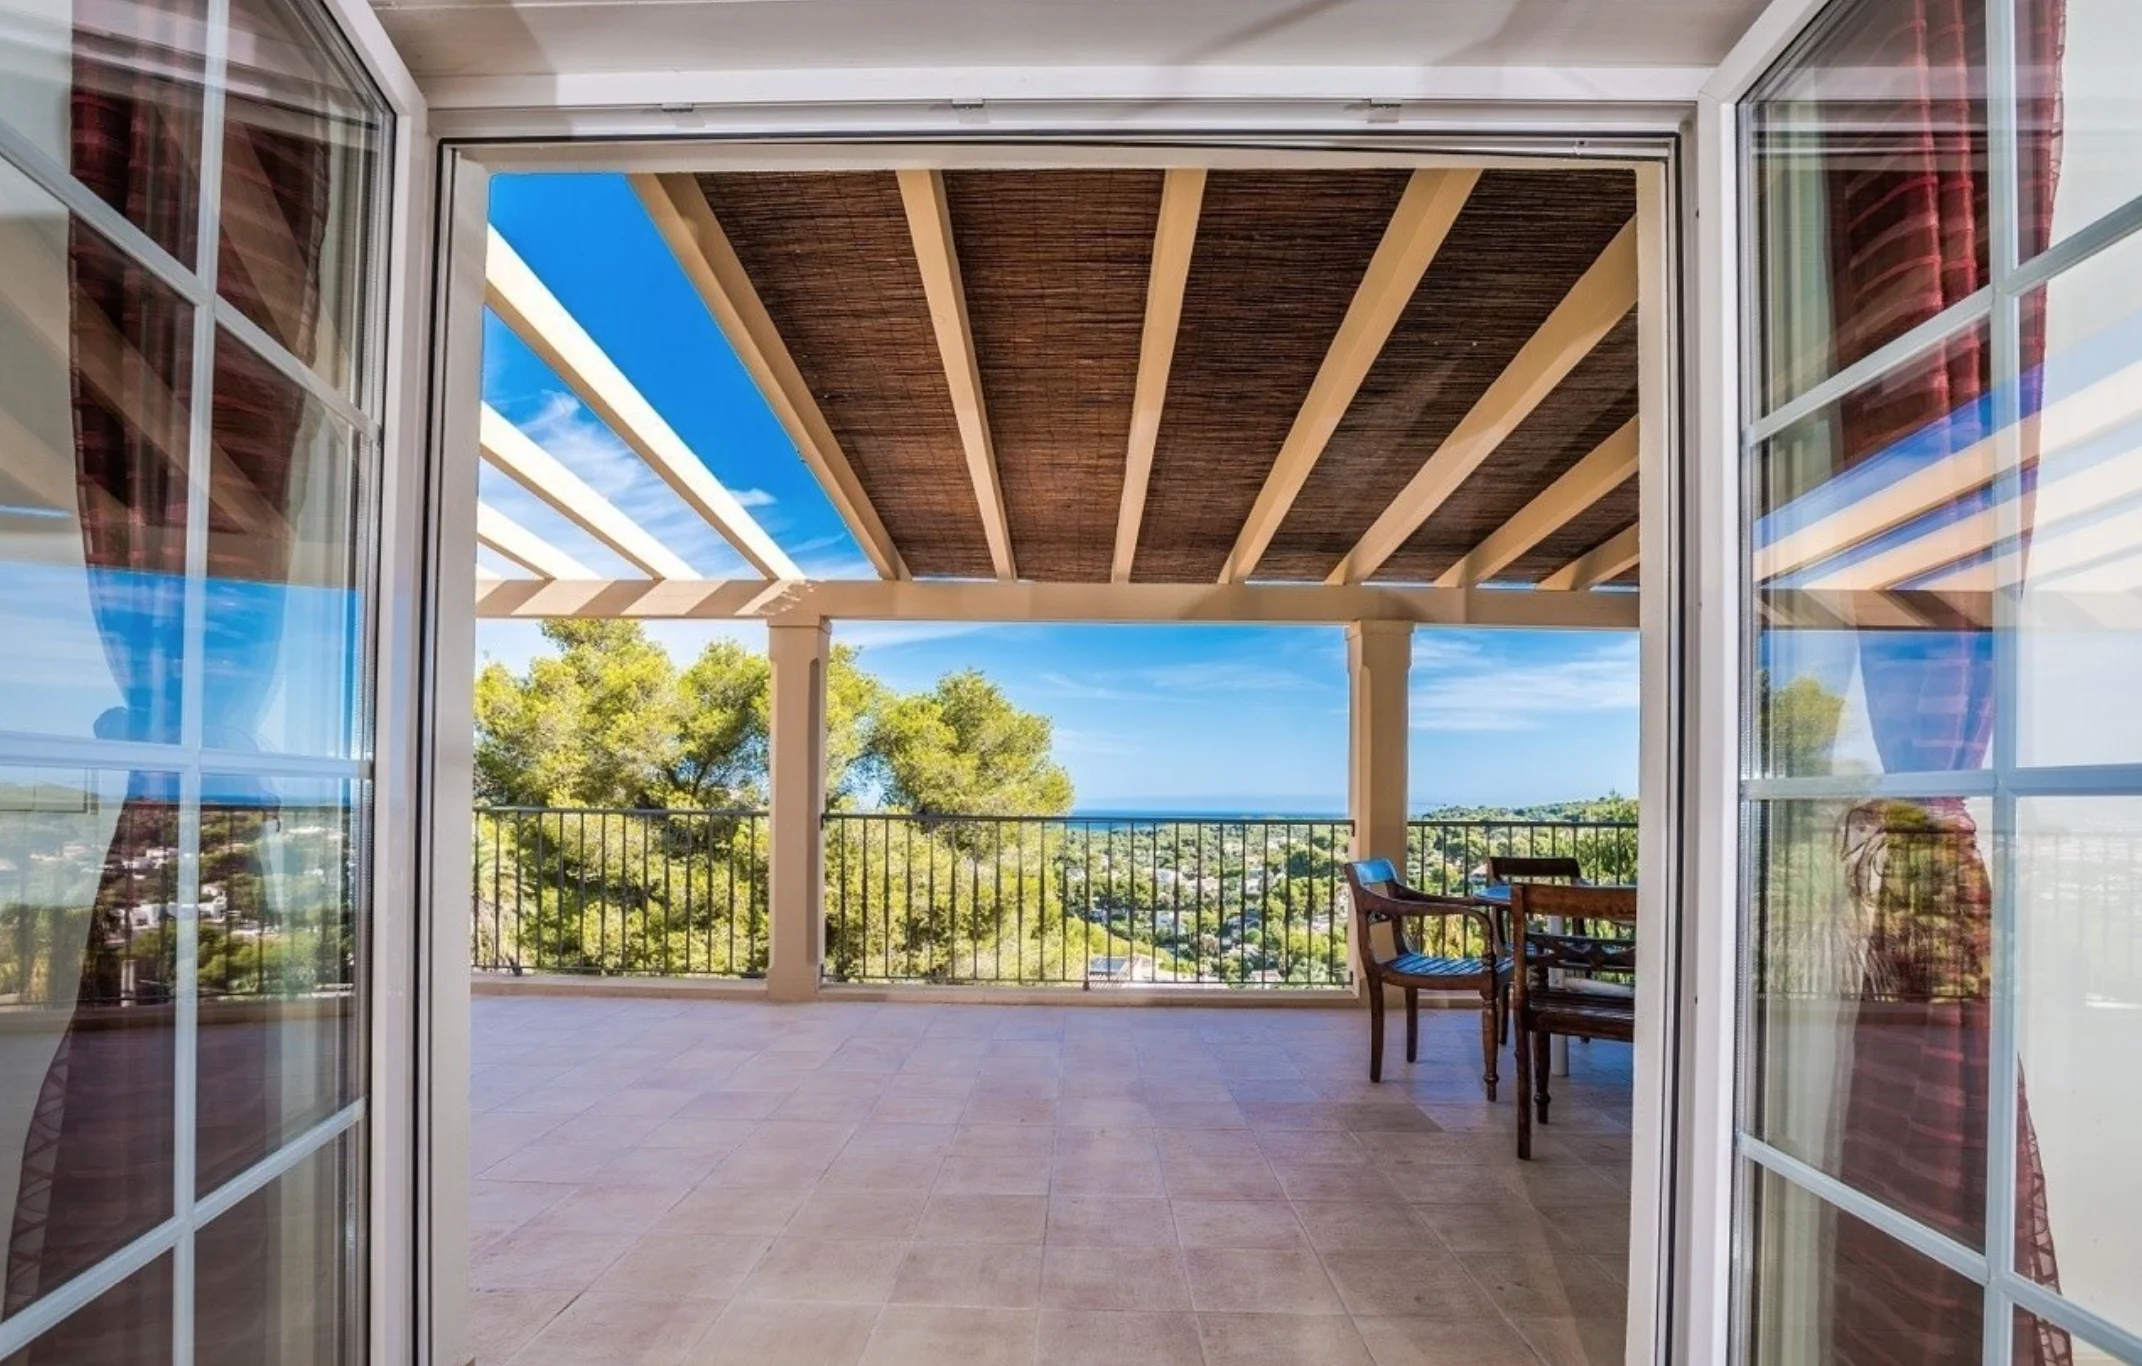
{"x":2079,"y":965}
{"x":89,"y":895}
{"x":1855,"y":507}
{"x":127,"y":1325}
{"x":277,"y":1278}
{"x":2037,"y":1340}
{"x":2079,"y":113}
{"x":1868,"y":998}
{"x":1825,"y":1287}
{"x":301,"y":144}
{"x":280,"y":1027}
{"x":1867,"y":152}
{"x":94,"y":378}
{"x":285,"y":621}
{"x":2080,"y":643}
{"x":112,"y":93}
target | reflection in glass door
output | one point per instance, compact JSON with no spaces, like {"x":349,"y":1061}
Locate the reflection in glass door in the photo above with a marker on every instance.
{"x":190,"y":200}
{"x":1942,"y":758}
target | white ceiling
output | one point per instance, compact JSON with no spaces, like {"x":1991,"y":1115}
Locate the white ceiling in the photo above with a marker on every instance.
{"x":477,"y":38}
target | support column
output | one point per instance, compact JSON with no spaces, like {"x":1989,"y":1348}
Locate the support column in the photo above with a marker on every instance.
{"x":796,"y":735}
{"x":1379,"y":656}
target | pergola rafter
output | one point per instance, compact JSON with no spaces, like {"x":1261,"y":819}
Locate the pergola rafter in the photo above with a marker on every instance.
{"x":526,"y":549}
{"x":511,"y":452}
{"x":1612,"y":557}
{"x":1609,"y":465}
{"x":1599,"y":300}
{"x":687,"y":223}
{"x":1418,"y":227}
{"x":1181,"y":196}
{"x":534,"y":313}
{"x":929,"y":222}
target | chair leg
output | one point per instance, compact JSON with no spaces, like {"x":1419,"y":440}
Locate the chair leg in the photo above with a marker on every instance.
{"x":1375,"y":1031}
{"x":1413,"y":1024}
{"x":1542,"y":1060}
{"x":1524,"y":1093}
{"x":1502,"y":1014}
{"x":1490,"y":1028}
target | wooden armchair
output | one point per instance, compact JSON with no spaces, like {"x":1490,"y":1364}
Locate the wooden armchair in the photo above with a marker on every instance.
{"x":1595,"y":944}
{"x":1380,"y":901}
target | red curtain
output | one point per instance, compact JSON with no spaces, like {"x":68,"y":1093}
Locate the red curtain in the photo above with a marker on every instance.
{"x":1908,"y":212}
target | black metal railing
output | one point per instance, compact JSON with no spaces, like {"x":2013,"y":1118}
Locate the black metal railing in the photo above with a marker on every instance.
{"x":1090,"y":901}
{"x":620,"y":892}
{"x":1450,"y":858}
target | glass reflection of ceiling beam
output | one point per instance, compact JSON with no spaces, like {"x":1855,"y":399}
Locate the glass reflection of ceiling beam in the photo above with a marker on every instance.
{"x":1942,"y":517}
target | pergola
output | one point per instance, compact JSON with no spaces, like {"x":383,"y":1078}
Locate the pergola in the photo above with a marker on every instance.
{"x":1376,"y":396}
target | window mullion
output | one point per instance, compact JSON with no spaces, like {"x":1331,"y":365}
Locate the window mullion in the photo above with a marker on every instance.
{"x":2003,"y":201}
{"x":193,"y":678}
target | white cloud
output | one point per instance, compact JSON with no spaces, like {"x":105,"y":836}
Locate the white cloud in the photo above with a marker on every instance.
{"x":1484,"y":692}
{"x":564,"y":426}
{"x":892,"y":635}
{"x":753,"y":498}
{"x":1219,"y":676}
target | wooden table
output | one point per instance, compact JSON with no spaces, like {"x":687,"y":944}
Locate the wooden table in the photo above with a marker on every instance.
{"x":1496,"y":900}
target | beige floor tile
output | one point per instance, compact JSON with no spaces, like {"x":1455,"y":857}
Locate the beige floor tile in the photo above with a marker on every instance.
{"x":1113,"y":1278}
{"x":1407,"y":1283}
{"x":609,"y":1209}
{"x":950,"y":1217}
{"x":1505,"y":1225}
{"x":1256,"y":1280}
{"x":1003,"y":1140}
{"x":502,"y":1321}
{"x":978,"y":1275}
{"x":1342,"y":1181}
{"x":525,"y":1261}
{"x":1443,"y":1342}
{"x":684,"y":1265}
{"x":1109,"y":1221}
{"x":1280,"y":1340}
{"x":1545,"y":1286}
{"x":1237,"y":1223}
{"x":838,"y":1212}
{"x":1195,"y":1114}
{"x":1104,"y":1175}
{"x":731,"y":1212}
{"x":1355,"y":1226}
{"x":826,"y":1269}
{"x":781,"y":1333}
{"x":1574,"y":1342}
{"x":900,"y":1106}
{"x":933,"y":1335}
{"x":1104,"y":1338}
{"x":763,"y":1170}
{"x":1219,"y":1178}
{"x":993,"y":1176}
{"x":620,"y":1330}
{"x":712,"y":1138}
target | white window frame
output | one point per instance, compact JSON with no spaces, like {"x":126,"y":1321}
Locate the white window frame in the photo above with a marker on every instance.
{"x":1707,"y":1225}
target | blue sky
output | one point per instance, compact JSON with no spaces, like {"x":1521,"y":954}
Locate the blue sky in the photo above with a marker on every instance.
{"x":1151,"y":717}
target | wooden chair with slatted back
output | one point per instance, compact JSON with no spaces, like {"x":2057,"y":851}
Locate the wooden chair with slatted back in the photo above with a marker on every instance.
{"x":1381,"y":901}
{"x":1596,"y":945}
{"x":1502,"y":868}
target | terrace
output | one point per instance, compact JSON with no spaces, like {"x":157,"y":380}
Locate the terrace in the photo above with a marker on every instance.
{"x":730,"y":1183}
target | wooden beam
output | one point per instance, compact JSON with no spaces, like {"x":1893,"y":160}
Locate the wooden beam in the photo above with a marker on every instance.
{"x":687,"y":222}
{"x":1611,"y":464}
{"x":1615,"y":555}
{"x":1182,"y":195}
{"x":526,"y":549}
{"x":1600,"y":299}
{"x":532,"y":311}
{"x":1418,"y":227}
{"x":996,"y":601}
{"x":929,"y":223}
{"x":511,"y":453}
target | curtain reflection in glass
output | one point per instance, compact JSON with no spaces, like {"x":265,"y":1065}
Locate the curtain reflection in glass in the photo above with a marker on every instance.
{"x":89,"y":889}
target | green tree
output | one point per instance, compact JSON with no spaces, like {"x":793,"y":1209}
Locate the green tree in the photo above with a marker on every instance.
{"x":1798,"y":726}
{"x":963,"y":748}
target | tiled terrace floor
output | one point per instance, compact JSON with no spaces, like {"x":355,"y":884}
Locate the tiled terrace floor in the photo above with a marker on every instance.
{"x":734,"y":1184}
